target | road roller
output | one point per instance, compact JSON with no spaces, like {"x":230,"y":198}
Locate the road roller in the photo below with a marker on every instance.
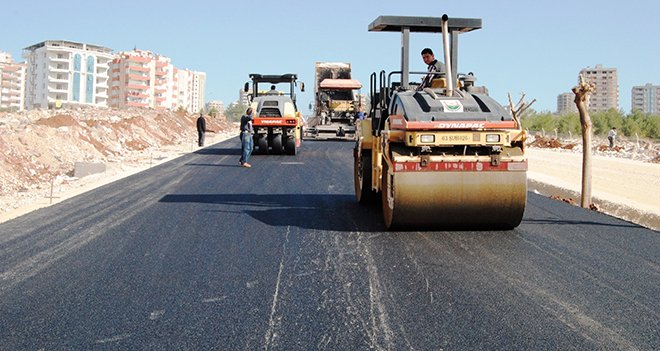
{"x":277,"y":122}
{"x":440,"y":153}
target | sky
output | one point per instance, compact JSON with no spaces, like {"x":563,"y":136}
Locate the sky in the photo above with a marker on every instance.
{"x":536,"y":47}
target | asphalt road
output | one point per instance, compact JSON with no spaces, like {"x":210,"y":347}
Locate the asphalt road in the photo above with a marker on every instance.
{"x":199,"y":254}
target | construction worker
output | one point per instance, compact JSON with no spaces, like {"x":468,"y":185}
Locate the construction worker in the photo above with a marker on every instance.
{"x":246,"y":138}
{"x":273,"y":91}
{"x":201,"y":129}
{"x":433,"y":66}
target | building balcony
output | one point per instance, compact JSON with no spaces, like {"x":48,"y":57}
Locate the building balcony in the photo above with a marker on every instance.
{"x":137,"y":87}
{"x":138,"y":68}
{"x":139,"y":59}
{"x":159,"y":99}
{"x":161,"y":63}
{"x":136,"y":104}
{"x":56,"y":69}
{"x":160,"y":90}
{"x":138,"y":77}
{"x":58,"y":59}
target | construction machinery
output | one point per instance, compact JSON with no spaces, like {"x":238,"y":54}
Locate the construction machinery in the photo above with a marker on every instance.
{"x":445,"y":155}
{"x":336,"y":103}
{"x":277,"y":122}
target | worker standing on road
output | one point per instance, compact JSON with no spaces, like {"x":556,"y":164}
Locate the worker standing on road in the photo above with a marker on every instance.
{"x":433,"y":66}
{"x":611,"y":136}
{"x":201,"y":129}
{"x":246,"y":138}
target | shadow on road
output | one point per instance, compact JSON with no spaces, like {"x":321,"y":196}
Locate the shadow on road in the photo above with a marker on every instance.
{"x":310,"y":211}
{"x":219,"y":151}
{"x":576,"y":222}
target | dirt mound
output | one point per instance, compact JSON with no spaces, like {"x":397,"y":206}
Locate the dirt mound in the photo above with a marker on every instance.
{"x":57,"y":121}
{"x":41,"y":145}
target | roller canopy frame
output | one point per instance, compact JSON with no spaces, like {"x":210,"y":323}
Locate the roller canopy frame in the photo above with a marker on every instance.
{"x":408,"y":24}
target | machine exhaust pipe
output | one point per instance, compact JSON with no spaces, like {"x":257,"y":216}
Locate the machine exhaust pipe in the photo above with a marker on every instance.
{"x":445,"y":44}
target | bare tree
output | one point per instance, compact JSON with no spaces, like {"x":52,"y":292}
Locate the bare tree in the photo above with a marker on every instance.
{"x":581,"y":92}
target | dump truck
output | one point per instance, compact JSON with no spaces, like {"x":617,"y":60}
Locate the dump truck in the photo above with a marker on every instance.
{"x":443,"y":155}
{"x":278,"y":126}
{"x":336,"y":103}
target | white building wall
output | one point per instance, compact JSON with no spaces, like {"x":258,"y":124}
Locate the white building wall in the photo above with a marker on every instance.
{"x":68,"y":73}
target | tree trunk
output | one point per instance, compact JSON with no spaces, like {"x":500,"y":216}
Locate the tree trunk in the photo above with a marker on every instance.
{"x":581,"y":92}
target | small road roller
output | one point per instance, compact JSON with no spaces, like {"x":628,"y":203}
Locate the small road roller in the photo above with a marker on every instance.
{"x":277,"y":122}
{"x":442,"y":154}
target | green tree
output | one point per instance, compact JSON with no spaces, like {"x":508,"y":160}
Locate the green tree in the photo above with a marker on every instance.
{"x":235,"y":111}
{"x":213,"y":112}
{"x":569,"y":123}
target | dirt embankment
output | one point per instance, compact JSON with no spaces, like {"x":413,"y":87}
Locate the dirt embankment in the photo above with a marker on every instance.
{"x":40,"y":146}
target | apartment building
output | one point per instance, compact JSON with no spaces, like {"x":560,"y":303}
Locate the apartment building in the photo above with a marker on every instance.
{"x":190,"y":90}
{"x":566,"y":103}
{"x":61,"y":72}
{"x":606,"y":94}
{"x":219,"y":107}
{"x":140,"y":78}
{"x":12,"y":83}
{"x":646,"y":98}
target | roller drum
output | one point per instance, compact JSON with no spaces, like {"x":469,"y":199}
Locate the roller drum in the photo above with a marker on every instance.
{"x":454,"y":199}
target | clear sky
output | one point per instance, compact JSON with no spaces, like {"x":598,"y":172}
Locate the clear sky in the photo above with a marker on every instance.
{"x":537,"y":47}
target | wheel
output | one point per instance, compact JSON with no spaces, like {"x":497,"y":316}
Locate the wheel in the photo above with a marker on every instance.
{"x":387,"y":192}
{"x":362,"y":177}
{"x":290,"y":146}
{"x":276,"y":144}
{"x":262,"y":144}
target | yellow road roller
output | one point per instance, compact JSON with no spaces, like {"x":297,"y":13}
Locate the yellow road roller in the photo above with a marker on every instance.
{"x":440,"y":153}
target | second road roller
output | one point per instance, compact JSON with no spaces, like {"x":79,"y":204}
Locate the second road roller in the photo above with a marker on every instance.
{"x":440,"y":153}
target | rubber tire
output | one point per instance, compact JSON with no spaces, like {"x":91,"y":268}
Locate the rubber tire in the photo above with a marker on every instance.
{"x":388,"y":211}
{"x":262,"y":144}
{"x":276,"y":144}
{"x":362,"y":176}
{"x":290,"y":145}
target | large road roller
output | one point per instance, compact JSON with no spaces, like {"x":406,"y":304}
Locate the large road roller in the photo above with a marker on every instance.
{"x":277,"y":122}
{"x":442,"y":154}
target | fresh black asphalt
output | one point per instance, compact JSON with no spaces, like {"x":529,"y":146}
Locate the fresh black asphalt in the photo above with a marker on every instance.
{"x":201,"y":254}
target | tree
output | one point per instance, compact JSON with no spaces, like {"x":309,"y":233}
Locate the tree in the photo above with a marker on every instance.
{"x":235,"y":111}
{"x":581,"y":92}
{"x":214,"y":112}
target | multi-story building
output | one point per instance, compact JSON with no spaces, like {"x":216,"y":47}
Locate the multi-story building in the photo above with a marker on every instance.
{"x":140,"y":78}
{"x":12,"y":83}
{"x":243,"y":98}
{"x":63,"y":72}
{"x":606,"y":93}
{"x":646,"y":98}
{"x":190,"y":90}
{"x":566,"y":103}
{"x":219,"y":107}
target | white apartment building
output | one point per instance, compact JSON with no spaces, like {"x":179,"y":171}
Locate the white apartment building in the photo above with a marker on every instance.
{"x":12,"y":83}
{"x":606,"y":94}
{"x":219,"y":106}
{"x":190,"y":90}
{"x":646,"y":98}
{"x":566,"y":103}
{"x":140,"y":78}
{"x":63,"y":72}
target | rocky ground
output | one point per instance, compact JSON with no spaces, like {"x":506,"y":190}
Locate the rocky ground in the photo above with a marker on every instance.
{"x":40,"y":149}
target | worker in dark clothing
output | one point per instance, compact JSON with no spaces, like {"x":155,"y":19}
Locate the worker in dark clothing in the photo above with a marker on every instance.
{"x":247,"y":131}
{"x":201,"y":129}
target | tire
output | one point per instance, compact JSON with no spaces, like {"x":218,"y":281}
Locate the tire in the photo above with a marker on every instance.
{"x":362,"y":177}
{"x":262,"y":144}
{"x":290,"y":146}
{"x":276,"y":144}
